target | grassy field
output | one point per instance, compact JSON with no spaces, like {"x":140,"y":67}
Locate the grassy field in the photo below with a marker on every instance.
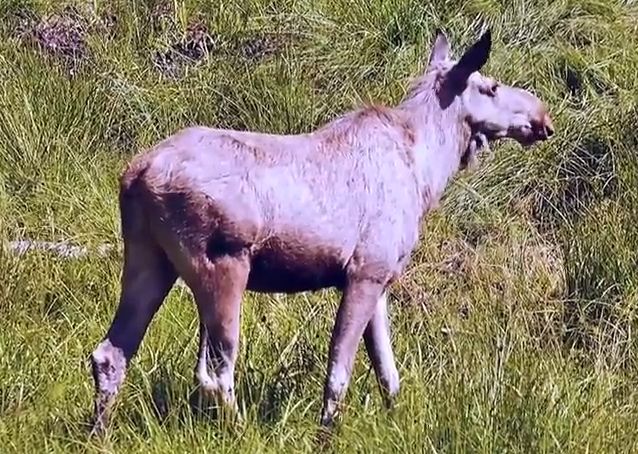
{"x":514,"y":325}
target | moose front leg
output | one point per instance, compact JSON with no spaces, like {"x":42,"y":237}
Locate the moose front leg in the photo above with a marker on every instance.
{"x":357,"y":306}
{"x":377,"y":341}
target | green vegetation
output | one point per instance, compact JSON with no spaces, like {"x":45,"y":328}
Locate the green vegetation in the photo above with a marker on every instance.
{"x":514,"y":325}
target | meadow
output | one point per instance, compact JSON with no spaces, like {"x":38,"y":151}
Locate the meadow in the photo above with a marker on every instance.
{"x":514,"y":325}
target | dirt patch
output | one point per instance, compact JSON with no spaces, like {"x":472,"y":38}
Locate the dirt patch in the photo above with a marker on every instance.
{"x":198,"y":43}
{"x":258,"y":47}
{"x":61,"y":36}
{"x":194,"y":47}
{"x":185,"y":48}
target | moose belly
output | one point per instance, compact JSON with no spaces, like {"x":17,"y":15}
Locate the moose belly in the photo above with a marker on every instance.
{"x":291,"y":267}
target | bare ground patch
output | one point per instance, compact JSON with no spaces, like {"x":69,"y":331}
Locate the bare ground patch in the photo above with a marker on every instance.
{"x":61,"y":36}
{"x":196,"y":45}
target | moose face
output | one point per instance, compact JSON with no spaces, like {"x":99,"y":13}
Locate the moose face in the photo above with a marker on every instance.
{"x":492,"y":110}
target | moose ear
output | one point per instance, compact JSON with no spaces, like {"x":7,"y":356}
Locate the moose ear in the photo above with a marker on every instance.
{"x":440,"y":49}
{"x":473,"y":59}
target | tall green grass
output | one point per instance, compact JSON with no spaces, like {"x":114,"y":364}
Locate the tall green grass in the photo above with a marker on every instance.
{"x":514,"y":325}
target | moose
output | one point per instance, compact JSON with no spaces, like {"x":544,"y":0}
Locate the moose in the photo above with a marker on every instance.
{"x":339,"y":207}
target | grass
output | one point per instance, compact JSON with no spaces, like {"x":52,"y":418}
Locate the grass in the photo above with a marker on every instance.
{"x":514,"y":325}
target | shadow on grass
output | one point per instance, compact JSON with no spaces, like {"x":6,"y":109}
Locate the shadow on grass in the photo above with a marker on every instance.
{"x":171,"y":403}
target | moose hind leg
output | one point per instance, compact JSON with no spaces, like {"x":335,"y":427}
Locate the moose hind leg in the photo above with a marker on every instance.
{"x":218,"y":293}
{"x":377,"y":341}
{"x":357,"y":306}
{"x":147,"y":277}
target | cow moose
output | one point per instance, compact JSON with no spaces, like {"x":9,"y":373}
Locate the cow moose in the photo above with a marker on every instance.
{"x":339,"y":207}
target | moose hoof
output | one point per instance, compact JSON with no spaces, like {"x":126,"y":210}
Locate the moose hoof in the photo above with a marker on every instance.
{"x":390,"y":402}
{"x":216,"y":405}
{"x":329,"y":416}
{"x":98,"y":427}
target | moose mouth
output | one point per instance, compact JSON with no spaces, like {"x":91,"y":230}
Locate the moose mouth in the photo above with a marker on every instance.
{"x":529,"y":134}
{"x":525,"y":134}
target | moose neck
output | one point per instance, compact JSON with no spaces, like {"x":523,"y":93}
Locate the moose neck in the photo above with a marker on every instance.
{"x":442,"y":134}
